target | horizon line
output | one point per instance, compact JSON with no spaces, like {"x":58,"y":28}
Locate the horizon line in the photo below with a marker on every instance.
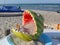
{"x":31,"y":3}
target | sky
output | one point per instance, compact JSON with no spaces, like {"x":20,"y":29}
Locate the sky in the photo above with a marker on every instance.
{"x":27,"y":1}
{"x":40,"y":1}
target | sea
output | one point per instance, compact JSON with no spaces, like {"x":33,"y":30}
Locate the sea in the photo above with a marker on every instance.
{"x":47,"y":7}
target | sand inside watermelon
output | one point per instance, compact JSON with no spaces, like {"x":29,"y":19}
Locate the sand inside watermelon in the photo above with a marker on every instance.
{"x":28,"y":23}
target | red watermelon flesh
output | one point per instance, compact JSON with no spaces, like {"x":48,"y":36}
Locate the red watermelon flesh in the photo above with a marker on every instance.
{"x":28,"y":23}
{"x":27,"y":18}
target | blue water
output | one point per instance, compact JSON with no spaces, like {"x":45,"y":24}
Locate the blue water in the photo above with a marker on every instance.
{"x":48,"y":7}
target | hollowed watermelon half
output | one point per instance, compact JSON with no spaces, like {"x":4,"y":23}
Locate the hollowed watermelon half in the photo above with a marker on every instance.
{"x":33,"y":25}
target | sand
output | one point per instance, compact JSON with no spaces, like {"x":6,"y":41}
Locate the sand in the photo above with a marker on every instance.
{"x":50,"y":17}
{"x":9,"y":22}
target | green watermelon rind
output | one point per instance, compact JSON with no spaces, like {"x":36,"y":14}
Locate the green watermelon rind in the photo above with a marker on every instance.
{"x":39,"y":23}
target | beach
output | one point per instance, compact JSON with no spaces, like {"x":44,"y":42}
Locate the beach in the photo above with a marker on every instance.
{"x":50,"y":18}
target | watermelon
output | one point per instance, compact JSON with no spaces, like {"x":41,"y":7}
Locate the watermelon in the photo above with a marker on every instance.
{"x":32,"y":26}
